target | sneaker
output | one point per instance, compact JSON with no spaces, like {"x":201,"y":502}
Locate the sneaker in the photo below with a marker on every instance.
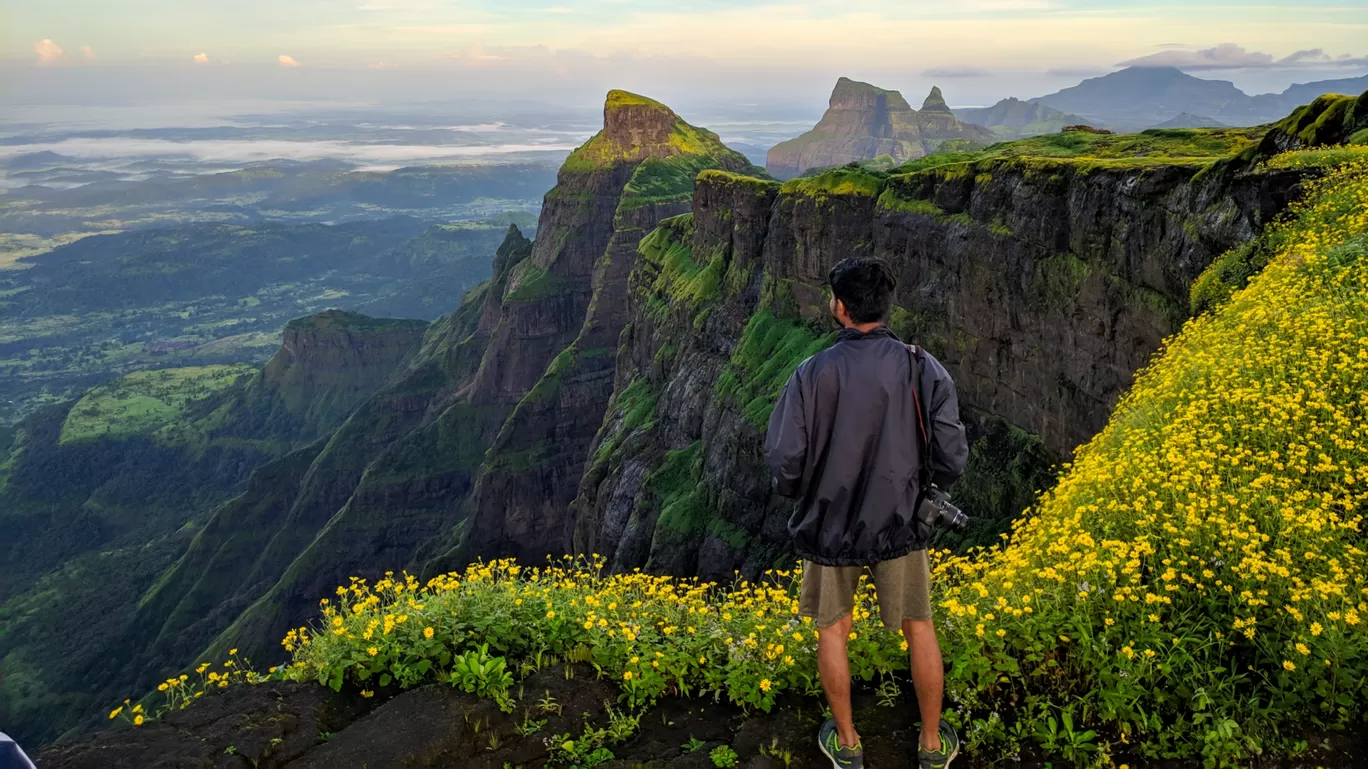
{"x":940,"y":759}
{"x":841,"y":757}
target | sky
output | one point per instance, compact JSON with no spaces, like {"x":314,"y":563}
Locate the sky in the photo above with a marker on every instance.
{"x":684,"y":51}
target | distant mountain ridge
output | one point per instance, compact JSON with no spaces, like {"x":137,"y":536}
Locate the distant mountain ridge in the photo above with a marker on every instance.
{"x":864,"y":122}
{"x":1139,"y":97}
{"x":1013,"y":118}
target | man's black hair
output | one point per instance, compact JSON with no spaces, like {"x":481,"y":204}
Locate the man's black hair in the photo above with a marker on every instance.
{"x":865,"y":285}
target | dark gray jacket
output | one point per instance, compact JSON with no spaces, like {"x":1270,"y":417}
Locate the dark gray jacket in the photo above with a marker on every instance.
{"x":843,"y":439}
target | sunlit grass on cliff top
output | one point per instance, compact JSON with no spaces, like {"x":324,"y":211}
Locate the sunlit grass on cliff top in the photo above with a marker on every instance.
{"x":1155,"y":146}
{"x":1196,"y":585}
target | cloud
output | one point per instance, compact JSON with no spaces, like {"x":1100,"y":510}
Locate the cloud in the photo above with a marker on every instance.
{"x":476,"y":54}
{"x":48,"y":51}
{"x":1307,"y":55}
{"x":382,"y":65}
{"x":1077,"y":71}
{"x":201,"y":58}
{"x":956,"y":72}
{"x":1232,"y":56}
{"x":88,"y":52}
{"x":288,"y":61}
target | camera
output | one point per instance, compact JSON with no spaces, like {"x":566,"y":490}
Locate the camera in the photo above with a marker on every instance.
{"x":936,"y":510}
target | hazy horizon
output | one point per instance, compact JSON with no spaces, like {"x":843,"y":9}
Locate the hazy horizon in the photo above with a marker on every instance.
{"x":692,"y":55}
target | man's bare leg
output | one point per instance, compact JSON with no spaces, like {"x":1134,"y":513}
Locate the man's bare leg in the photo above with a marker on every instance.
{"x":928,"y":676}
{"x":833,"y":665}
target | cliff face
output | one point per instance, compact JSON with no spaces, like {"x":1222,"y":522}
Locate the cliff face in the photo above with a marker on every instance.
{"x":533,"y":467}
{"x":476,"y":445}
{"x":1041,"y":284}
{"x":865,"y":122}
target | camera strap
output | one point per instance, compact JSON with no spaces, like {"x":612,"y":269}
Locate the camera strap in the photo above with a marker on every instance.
{"x":914,"y":357}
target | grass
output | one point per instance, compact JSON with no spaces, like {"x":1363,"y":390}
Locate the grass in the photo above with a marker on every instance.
{"x":529,"y":282}
{"x":605,"y":150}
{"x":840,"y":181}
{"x":663,"y":180}
{"x":146,"y":402}
{"x":1153,"y":146}
{"x":769,"y":350}
{"x":682,"y":281}
{"x":635,"y":408}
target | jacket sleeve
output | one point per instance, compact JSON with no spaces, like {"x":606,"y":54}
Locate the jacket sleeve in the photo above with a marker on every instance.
{"x":786,"y":442}
{"x":951,"y":452}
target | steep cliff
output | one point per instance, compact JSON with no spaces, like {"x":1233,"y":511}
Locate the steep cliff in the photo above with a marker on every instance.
{"x":477,"y":445}
{"x":533,"y":468}
{"x":1043,"y":283}
{"x":865,"y":122}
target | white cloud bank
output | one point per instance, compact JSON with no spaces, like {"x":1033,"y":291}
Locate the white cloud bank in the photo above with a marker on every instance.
{"x":287,"y":61}
{"x":201,"y":58}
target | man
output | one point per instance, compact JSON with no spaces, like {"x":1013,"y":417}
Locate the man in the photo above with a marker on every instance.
{"x":845,"y":440}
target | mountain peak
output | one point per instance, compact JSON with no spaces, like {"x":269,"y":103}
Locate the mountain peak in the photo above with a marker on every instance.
{"x":935,"y":102}
{"x":854,"y":94}
{"x":636,"y":127}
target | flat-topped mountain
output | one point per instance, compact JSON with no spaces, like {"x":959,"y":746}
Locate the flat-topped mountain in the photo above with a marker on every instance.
{"x":864,"y":122}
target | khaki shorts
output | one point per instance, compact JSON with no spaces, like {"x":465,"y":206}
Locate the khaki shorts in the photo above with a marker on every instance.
{"x":903,"y":586}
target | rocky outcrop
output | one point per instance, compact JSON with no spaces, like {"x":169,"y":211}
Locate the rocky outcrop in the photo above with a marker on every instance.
{"x":304,"y":726}
{"x":865,"y":122}
{"x":327,"y":365}
{"x":639,"y":170}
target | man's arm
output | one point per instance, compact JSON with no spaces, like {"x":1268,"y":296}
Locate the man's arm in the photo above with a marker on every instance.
{"x":786,"y":442}
{"x":951,"y":452}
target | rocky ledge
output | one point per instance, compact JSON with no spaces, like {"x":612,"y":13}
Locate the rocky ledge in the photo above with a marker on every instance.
{"x":303,"y":726}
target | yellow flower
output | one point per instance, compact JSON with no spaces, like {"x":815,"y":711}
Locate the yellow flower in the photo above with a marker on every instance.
{"x":764,"y":684}
{"x":372,"y":651}
{"x":161,"y":687}
{"x":427,"y":632}
{"x":367,"y":693}
{"x":231,"y":652}
{"x":113,"y":714}
{"x":138,"y":720}
{"x":1301,"y":647}
{"x":550,"y":614}
{"x":1288,"y":665}
{"x":627,"y":676}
